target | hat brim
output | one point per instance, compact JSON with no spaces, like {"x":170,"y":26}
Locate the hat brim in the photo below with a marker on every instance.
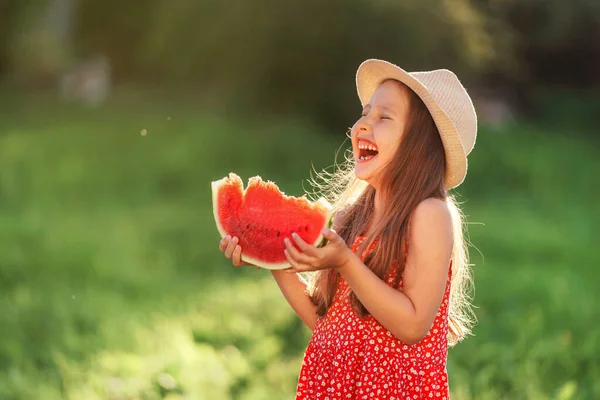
{"x":372,"y":73}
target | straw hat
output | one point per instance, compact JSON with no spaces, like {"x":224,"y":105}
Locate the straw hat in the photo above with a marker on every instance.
{"x":446,"y":99}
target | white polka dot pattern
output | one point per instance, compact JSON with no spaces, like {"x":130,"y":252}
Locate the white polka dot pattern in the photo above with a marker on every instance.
{"x":353,"y":358}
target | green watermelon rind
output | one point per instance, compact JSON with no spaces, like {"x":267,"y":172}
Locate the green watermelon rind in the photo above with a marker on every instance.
{"x":322,"y":241}
{"x":319,"y":242}
{"x":215,"y":189}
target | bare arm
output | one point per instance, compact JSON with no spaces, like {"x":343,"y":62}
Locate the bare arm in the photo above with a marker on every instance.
{"x":293,"y":289}
{"x":409,"y":314}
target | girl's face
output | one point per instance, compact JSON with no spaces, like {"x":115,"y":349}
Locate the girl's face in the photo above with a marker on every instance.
{"x":376,"y":135}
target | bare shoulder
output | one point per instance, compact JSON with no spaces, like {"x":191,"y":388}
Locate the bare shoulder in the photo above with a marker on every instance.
{"x":431,"y":222}
{"x":432,"y":210}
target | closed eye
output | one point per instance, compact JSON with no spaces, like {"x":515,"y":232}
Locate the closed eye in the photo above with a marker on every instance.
{"x":382,"y":117}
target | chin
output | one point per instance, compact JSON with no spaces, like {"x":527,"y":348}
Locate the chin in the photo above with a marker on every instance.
{"x":360,"y":174}
{"x":363,"y":175}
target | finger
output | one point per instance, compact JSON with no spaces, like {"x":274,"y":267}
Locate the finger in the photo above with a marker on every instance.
{"x":295,"y":254}
{"x":231,"y":247}
{"x":329,"y":234}
{"x":332,"y":236}
{"x":224,"y":242}
{"x":236,"y":257}
{"x":305,"y":247}
{"x":295,"y":266}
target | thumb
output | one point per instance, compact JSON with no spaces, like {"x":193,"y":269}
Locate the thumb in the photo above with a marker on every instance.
{"x":329,"y":234}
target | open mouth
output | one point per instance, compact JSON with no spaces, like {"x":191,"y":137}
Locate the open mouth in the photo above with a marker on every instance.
{"x":366,"y":151}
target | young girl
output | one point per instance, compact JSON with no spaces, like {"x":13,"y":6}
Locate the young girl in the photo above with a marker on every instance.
{"x":389,"y":291}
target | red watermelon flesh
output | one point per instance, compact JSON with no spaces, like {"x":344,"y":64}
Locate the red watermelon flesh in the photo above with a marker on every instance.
{"x":262,"y":216}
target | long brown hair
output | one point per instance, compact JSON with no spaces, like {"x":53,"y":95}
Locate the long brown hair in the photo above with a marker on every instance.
{"x":415,"y":173}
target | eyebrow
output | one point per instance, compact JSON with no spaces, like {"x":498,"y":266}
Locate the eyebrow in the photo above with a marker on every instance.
{"x":367,"y":107}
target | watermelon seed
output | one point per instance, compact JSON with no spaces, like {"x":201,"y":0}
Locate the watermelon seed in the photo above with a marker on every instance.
{"x":247,"y":226}
{"x":306,"y":228}
{"x":278,"y":233}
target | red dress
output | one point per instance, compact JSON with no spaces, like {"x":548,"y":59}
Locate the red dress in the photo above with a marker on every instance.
{"x":353,"y":358}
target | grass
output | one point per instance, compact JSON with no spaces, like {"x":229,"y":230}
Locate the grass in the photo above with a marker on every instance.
{"x":112,"y":286}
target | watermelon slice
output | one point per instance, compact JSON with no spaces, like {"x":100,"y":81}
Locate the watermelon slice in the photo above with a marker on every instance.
{"x":262,"y":216}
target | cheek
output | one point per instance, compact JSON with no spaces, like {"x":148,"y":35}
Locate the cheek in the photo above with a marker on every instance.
{"x":394,"y":146}
{"x":388,"y":152}
{"x":393,"y":141}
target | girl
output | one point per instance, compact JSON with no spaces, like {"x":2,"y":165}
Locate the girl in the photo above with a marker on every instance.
{"x":388,"y":295}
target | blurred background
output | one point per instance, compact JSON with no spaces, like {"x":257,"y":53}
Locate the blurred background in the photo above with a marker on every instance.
{"x":115,"y":116}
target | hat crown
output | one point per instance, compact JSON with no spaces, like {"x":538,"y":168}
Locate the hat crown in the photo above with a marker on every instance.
{"x":451,"y":96}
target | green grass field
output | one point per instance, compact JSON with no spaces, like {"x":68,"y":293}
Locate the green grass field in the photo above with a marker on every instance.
{"x":112,"y":285}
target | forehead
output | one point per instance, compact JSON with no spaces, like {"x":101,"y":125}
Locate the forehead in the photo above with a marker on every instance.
{"x":390,"y":94}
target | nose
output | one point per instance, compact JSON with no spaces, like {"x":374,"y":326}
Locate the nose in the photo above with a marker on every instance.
{"x":363,"y":126}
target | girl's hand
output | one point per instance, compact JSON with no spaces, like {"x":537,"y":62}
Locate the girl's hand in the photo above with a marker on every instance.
{"x":335,"y":254}
{"x":233,"y":250}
